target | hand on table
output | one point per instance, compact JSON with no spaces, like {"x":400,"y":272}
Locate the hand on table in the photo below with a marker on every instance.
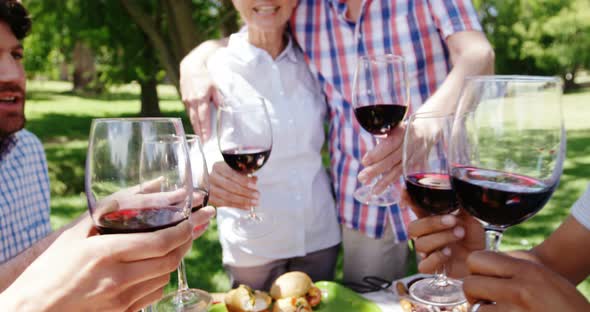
{"x":82,"y":271}
{"x":518,"y":285}
{"x":231,"y":189}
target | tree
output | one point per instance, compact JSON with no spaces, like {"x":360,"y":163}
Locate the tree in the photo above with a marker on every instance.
{"x":539,"y":37}
{"x":171,"y":31}
{"x":146,"y":49}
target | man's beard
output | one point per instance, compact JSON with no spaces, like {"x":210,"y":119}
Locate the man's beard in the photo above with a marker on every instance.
{"x":12,"y":124}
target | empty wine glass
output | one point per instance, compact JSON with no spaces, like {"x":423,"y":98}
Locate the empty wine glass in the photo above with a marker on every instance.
{"x":244,"y":136}
{"x":190,"y":299}
{"x":380,"y":99}
{"x":507,"y":149}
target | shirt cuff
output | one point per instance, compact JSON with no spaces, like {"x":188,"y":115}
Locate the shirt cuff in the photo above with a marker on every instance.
{"x":581,"y":209}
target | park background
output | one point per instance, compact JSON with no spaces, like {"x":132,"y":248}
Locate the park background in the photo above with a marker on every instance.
{"x":114,"y":58}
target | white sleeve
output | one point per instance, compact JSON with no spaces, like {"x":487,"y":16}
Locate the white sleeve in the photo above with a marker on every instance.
{"x":581,"y":209}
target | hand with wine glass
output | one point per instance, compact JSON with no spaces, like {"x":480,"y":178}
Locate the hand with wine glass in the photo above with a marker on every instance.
{"x":380,"y":100}
{"x":244,"y":136}
{"x":84,"y":271}
{"x":428,"y":184}
{"x":187,"y":299}
{"x":139,"y":179}
{"x":514,"y":284}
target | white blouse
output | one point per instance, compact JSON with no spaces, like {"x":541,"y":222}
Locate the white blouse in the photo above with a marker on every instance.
{"x":581,"y":209}
{"x":294,"y":186}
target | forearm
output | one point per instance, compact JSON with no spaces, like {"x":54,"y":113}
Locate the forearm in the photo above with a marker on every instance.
{"x":13,"y":268}
{"x":200,"y":54}
{"x":564,"y":251}
{"x":471,"y":54}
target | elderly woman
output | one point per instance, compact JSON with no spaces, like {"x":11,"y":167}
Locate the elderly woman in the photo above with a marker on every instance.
{"x":293,"y":187}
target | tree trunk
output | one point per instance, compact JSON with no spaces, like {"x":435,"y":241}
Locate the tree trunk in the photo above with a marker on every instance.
{"x":150,"y":105}
{"x":229,"y":24}
{"x":181,"y":26}
{"x":147,"y":23}
{"x":84,"y":67}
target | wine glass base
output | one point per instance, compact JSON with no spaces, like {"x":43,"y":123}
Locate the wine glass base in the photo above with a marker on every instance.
{"x":187,"y":300}
{"x":365,"y":195}
{"x":427,"y":291}
{"x":252,"y":228}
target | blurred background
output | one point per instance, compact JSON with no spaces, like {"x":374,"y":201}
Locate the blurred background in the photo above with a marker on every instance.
{"x":113,"y":58}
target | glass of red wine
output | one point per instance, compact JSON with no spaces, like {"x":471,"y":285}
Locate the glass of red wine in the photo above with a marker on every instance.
{"x":507,"y":149}
{"x":185,"y":298}
{"x":380,"y":98}
{"x":425,"y":166}
{"x":138,"y":174}
{"x":244,"y":136}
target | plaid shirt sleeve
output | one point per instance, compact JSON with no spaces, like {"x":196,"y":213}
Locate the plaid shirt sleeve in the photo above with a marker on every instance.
{"x":451,"y":16}
{"x":24,"y":194}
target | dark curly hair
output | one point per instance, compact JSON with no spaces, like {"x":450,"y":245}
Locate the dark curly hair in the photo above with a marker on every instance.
{"x":16,"y":16}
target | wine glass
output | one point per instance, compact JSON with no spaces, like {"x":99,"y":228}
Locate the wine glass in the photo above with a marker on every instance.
{"x":244,"y":136}
{"x":191,"y":299}
{"x":131,"y":187}
{"x":137,"y":174}
{"x":507,"y":149}
{"x":425,"y":167}
{"x":380,"y":100}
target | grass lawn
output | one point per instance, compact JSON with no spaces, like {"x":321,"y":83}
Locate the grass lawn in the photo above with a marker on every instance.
{"x":62,"y":121}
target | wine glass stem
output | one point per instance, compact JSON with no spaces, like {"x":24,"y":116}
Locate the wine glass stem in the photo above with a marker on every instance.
{"x":493,"y":238}
{"x":252,"y":214}
{"x":378,"y":140}
{"x":182,"y":280}
{"x":440,"y":279}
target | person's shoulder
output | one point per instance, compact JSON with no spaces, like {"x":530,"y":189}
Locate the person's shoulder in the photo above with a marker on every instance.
{"x":28,"y":141}
{"x":27,"y":138}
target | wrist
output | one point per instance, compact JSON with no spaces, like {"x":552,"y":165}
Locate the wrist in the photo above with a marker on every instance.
{"x":21,"y":301}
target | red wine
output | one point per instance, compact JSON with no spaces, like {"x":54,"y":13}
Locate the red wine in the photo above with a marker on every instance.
{"x":200,"y":199}
{"x":499,"y":198}
{"x":432,"y":192}
{"x":380,"y":119}
{"x":139,"y":220}
{"x":246,"y":160}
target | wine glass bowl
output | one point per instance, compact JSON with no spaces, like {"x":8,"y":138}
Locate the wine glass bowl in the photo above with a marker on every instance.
{"x":128,"y":186}
{"x":507,"y":148}
{"x":200,"y":174}
{"x":380,"y":100}
{"x":244,"y":136}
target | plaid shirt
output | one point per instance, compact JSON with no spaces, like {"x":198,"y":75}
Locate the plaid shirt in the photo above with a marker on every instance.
{"x":24,"y":194}
{"x":415,"y":29}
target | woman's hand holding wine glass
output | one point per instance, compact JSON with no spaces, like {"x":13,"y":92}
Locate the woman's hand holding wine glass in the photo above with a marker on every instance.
{"x":244,"y":137}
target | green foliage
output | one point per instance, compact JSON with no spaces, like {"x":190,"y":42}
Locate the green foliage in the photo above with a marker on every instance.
{"x":123,"y":52}
{"x":543,"y":37}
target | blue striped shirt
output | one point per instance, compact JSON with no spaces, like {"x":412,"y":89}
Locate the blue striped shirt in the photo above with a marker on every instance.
{"x":24,"y":194}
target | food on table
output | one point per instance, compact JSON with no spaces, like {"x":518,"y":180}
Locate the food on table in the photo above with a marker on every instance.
{"x":243,"y":299}
{"x":292,"y":304}
{"x":298,"y":288}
